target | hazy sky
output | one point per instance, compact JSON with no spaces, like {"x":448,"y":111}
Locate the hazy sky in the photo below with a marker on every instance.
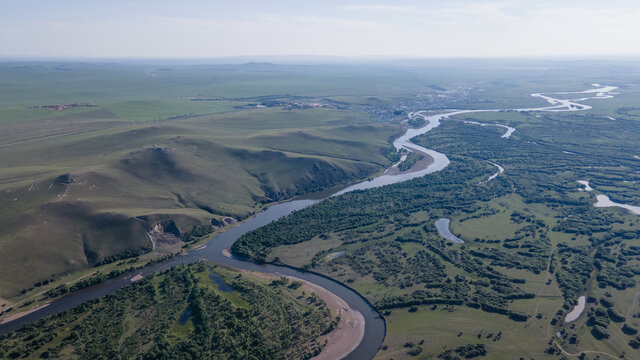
{"x":220,"y":28}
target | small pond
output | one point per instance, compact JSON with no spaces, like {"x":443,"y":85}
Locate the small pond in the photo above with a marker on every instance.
{"x":218,"y":280}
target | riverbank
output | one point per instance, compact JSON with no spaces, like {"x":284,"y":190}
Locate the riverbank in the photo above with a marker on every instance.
{"x":16,"y":316}
{"x":349,"y":331}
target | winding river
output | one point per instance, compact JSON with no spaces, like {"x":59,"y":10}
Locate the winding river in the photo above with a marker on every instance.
{"x":495,"y":175}
{"x":375,"y":327}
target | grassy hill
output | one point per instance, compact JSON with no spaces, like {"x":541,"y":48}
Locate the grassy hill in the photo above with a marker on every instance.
{"x":92,"y":159}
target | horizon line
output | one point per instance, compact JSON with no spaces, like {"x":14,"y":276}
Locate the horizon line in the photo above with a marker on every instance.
{"x":300,"y":57}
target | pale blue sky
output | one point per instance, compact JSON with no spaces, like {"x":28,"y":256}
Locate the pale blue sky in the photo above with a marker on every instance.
{"x":403,"y":28}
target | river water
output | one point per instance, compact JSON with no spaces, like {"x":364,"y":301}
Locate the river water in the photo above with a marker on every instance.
{"x":375,"y":327}
{"x":587,"y":187}
{"x":604,"y":201}
{"x":443,"y":229}
{"x":577,"y":310}
{"x":495,"y":175}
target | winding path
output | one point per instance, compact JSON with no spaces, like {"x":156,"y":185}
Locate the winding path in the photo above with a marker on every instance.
{"x":375,"y":327}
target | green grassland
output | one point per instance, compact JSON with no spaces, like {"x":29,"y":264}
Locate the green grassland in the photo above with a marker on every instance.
{"x":81,"y":185}
{"x":443,"y":328}
{"x":180,"y":313}
{"x":533,"y":240}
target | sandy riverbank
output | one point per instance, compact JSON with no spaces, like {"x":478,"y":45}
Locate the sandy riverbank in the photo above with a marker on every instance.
{"x":350,"y":330}
{"x":420,"y":165}
{"x":21,"y":314}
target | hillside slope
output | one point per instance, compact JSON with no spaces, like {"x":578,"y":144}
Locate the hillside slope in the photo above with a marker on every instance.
{"x":69,"y":202}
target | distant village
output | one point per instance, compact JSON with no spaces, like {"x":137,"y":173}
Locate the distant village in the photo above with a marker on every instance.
{"x":424,"y":101}
{"x":288,"y":102}
{"x":60,"y":107}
